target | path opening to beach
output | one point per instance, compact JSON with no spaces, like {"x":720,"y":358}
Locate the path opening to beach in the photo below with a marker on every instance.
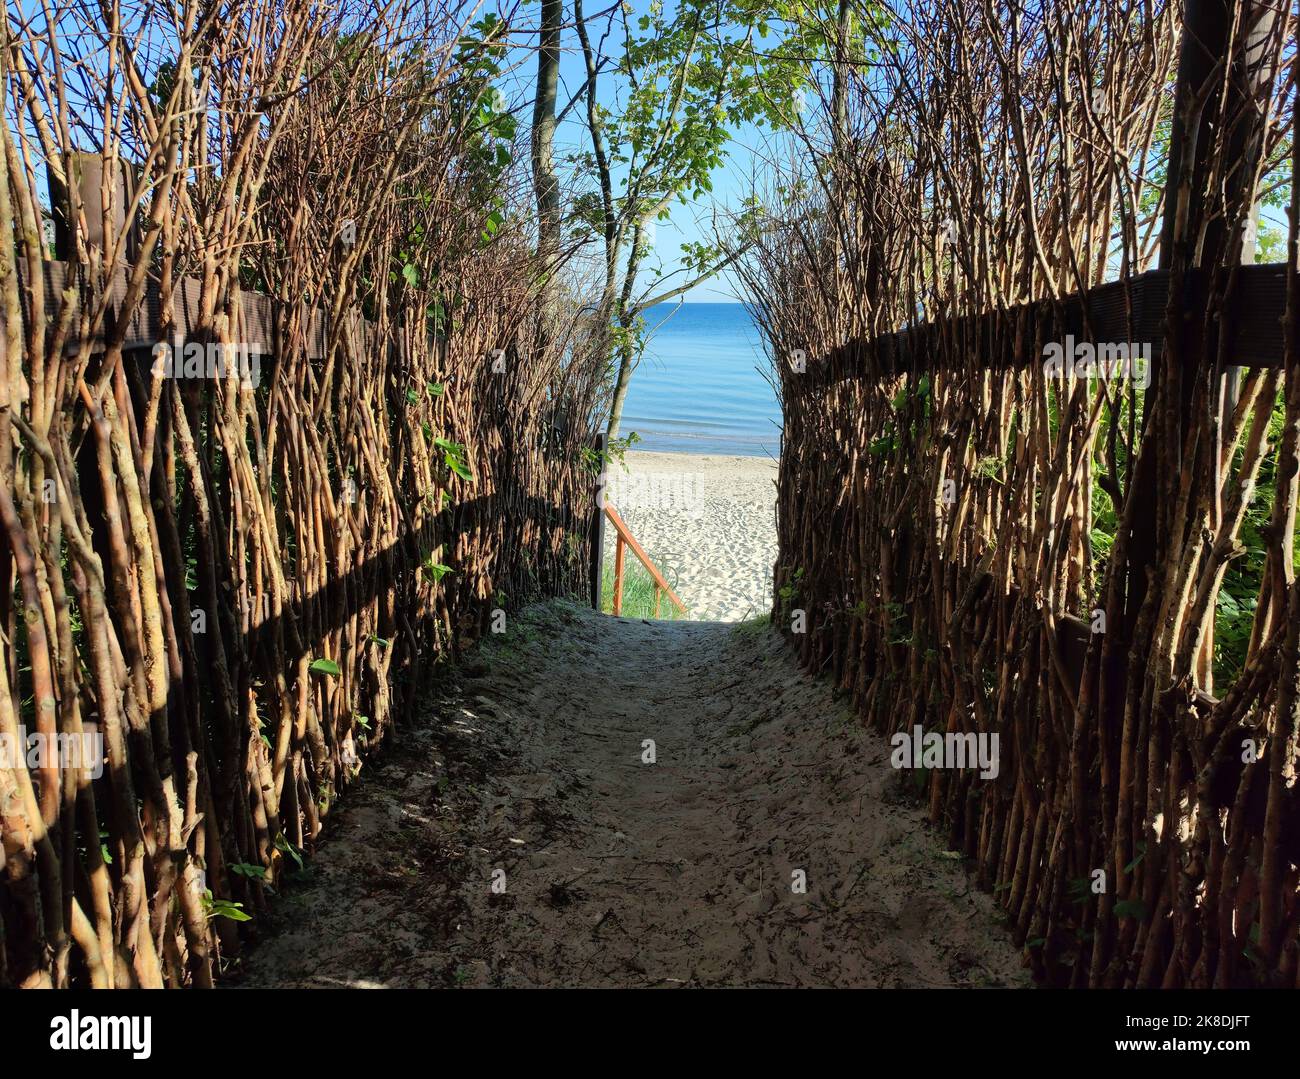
{"x":620,"y":802}
{"x":707,"y":522}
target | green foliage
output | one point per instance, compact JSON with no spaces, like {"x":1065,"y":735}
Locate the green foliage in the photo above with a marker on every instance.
{"x":687,"y":77}
{"x":287,"y":848}
{"x":492,"y":225}
{"x":479,"y":106}
{"x":1270,"y":244}
{"x":1131,"y":908}
{"x":638,"y":592}
{"x":224,"y":908}
{"x":455,"y":458}
{"x":788,"y":593}
{"x":1239,"y":594}
{"x":435,"y":571}
{"x":618,"y":448}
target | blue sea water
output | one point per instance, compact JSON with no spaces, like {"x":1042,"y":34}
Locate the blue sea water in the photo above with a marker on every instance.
{"x":699,"y":388}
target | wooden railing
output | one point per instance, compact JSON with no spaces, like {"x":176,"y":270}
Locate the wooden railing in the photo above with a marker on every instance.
{"x":626,"y":539}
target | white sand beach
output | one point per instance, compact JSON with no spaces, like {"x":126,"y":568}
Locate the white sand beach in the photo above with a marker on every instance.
{"x":708,"y":522}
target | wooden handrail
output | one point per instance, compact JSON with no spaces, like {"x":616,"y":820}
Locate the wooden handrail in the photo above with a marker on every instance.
{"x":625,"y":538}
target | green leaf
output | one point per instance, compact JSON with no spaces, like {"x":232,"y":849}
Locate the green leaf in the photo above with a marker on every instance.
{"x":224,"y":908}
{"x":1131,"y":908}
{"x":411,"y":274}
{"x":453,"y":454}
{"x":436,"y":571}
{"x":285,"y":847}
{"x":325,"y":666}
{"x":492,"y":225}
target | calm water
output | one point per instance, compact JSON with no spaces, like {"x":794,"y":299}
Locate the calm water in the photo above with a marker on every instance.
{"x":698,"y":388}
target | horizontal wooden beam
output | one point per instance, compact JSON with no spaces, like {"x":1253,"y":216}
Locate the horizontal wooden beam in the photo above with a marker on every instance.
{"x":145,"y":324}
{"x":1130,"y":311}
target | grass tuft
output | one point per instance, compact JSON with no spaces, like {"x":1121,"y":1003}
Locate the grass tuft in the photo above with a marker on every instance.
{"x":638,"y":592}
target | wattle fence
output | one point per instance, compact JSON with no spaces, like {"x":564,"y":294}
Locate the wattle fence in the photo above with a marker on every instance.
{"x":281,"y":429}
{"x":1017,"y":520}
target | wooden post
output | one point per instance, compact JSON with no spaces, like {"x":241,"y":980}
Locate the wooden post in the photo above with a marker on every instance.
{"x":86,"y":170}
{"x":1208,"y":46}
{"x":618,"y":575}
{"x":625,"y":537}
{"x":596,"y":566}
{"x":1246,"y":142}
{"x":1207,"y":26}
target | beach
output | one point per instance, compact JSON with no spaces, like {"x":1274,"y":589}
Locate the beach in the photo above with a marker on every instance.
{"x":708,"y":522}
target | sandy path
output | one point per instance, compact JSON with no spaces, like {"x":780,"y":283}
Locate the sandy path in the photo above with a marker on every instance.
{"x":708,"y":522}
{"x":622,"y":873}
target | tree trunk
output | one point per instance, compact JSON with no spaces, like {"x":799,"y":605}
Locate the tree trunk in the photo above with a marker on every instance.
{"x":545,"y":183}
{"x":626,"y":361}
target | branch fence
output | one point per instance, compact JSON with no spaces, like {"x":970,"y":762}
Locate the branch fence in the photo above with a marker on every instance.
{"x":278,"y":433}
{"x":980,"y":540}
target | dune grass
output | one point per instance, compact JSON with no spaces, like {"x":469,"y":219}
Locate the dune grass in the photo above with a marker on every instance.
{"x":638,"y":592}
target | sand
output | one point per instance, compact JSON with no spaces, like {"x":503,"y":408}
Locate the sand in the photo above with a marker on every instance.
{"x":709,"y":524}
{"x":517,"y":836}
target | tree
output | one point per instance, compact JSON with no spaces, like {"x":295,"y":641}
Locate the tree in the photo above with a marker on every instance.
{"x":683,"y":82}
{"x":545,"y":182}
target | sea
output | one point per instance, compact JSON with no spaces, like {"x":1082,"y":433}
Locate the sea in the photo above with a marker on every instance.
{"x":700,"y":386}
